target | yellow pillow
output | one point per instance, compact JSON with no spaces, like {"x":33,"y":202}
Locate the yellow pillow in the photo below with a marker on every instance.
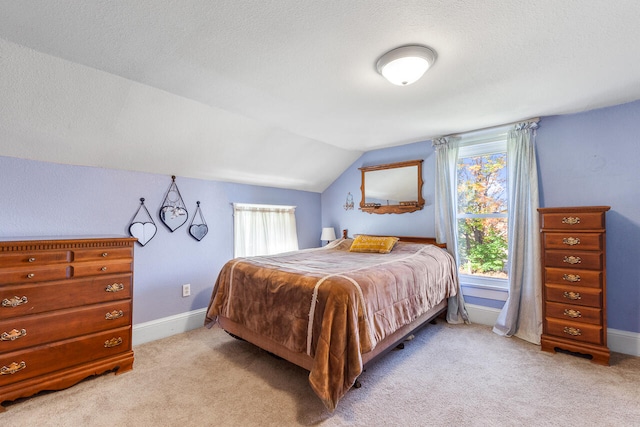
{"x":373,"y":244}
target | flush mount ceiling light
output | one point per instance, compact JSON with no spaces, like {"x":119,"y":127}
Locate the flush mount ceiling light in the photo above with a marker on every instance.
{"x":405,"y":65}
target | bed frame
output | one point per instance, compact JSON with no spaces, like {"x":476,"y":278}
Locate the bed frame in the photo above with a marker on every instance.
{"x":395,"y":340}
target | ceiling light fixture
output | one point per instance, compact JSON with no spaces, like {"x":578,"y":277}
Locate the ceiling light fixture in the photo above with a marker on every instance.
{"x":405,"y":65}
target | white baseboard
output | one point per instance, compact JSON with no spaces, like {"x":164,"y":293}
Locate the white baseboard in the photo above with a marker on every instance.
{"x":623,"y":341}
{"x":167,"y":326}
{"x":617,"y":340}
{"x":482,"y":315}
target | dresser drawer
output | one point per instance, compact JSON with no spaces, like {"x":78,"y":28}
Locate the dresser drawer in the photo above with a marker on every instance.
{"x":102,"y":254}
{"x":573,"y":259}
{"x":565,"y":276}
{"x":34,"y":274}
{"x":85,"y":269}
{"x":27,"y":331}
{"x":34,"y":258}
{"x":574,"y":331}
{"x":574,"y":313}
{"x":573,"y":221}
{"x":21,"y":365}
{"x":576,"y":241}
{"x":20,"y":300}
{"x":589,"y":297}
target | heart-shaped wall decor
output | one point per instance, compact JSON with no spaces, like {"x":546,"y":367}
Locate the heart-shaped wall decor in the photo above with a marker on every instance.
{"x":143,"y":231}
{"x":173,"y":217}
{"x":173,"y":211}
{"x":198,"y":231}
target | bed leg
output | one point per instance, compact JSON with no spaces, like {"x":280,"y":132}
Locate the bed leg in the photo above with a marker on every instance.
{"x":400,"y":346}
{"x":356,"y":384}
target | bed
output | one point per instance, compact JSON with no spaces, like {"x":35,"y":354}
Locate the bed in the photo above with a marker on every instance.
{"x":331,"y":310}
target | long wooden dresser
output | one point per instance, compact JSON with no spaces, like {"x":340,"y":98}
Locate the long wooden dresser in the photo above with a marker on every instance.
{"x":574,"y":280}
{"x":65,"y":312}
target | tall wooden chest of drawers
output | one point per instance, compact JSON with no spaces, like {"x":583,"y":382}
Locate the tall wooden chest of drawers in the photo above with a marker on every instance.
{"x":65,"y":312}
{"x":574,"y":280}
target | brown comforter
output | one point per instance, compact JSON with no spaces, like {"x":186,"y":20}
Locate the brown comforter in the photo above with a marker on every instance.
{"x":333,"y":304}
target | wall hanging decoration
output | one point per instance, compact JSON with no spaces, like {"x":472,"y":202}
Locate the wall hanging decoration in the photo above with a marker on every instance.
{"x":173,"y":211}
{"x":142,"y":230}
{"x":348,"y":206}
{"x":198,"y":230}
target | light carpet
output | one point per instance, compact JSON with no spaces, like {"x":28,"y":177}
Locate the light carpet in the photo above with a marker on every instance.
{"x":447,"y":375}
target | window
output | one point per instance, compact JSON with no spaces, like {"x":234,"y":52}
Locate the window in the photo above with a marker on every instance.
{"x":482,"y":203}
{"x":263,"y":229}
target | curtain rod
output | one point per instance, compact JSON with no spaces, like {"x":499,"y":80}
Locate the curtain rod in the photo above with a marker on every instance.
{"x":533,"y":120}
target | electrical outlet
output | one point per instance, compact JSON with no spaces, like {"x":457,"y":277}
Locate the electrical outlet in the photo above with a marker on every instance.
{"x":186,"y":290}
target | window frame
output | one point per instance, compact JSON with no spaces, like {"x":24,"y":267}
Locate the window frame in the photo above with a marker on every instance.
{"x":478,"y":144}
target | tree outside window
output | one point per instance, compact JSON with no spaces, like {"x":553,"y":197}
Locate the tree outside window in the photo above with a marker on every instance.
{"x":482,"y":214}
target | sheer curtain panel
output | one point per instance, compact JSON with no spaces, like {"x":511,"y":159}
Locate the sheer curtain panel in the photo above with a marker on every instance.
{"x":445,"y":207}
{"x":263,"y":229}
{"x":521,"y":314}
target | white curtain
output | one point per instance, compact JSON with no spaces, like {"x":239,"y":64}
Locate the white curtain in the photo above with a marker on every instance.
{"x":445,"y":212}
{"x":263,"y":229}
{"x":522,"y":313}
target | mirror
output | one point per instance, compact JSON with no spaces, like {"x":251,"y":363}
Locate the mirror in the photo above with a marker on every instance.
{"x":392,"y":188}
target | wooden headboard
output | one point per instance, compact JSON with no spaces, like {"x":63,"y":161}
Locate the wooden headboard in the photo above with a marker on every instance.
{"x":411,"y":239}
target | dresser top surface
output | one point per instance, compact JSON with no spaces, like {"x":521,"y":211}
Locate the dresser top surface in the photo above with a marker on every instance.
{"x":70,"y":237}
{"x":575,"y":209}
{"x":60,"y":242}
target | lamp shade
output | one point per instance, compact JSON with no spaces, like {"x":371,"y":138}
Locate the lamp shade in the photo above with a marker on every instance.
{"x":328,"y":233}
{"x":405,"y":65}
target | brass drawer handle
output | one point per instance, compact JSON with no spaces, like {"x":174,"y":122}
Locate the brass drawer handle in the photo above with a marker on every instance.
{"x":13,"y":368}
{"x":572,"y":260}
{"x":572,"y":313}
{"x":572,"y":295}
{"x":105,"y":254}
{"x":116,"y":287}
{"x":571,"y":241}
{"x":31,"y":276}
{"x":13,"y":335}
{"x":31,"y":259}
{"x":104,"y":269}
{"x":571,"y":220}
{"x":113,"y":342}
{"x":571,"y":277}
{"x":115,"y":314}
{"x":572,"y":331}
{"x":14,"y":302}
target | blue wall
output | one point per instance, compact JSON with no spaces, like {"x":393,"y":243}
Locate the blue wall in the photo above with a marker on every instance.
{"x":46,"y":199}
{"x":593,"y":158}
{"x":419,"y":223}
{"x":584,"y":159}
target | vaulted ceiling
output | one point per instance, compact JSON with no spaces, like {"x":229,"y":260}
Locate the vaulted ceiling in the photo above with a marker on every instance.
{"x":285,"y":93}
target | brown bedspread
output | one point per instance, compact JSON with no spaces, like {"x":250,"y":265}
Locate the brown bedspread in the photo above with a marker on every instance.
{"x":333,"y":304}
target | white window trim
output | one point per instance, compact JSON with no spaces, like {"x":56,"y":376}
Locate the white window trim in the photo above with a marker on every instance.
{"x":497,"y":293}
{"x":474,"y":144}
{"x":253,"y":206}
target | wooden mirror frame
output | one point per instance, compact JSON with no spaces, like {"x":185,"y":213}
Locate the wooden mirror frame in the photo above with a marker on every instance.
{"x":398,"y":209}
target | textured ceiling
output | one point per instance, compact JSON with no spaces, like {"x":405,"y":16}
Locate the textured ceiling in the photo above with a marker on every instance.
{"x":285,"y":93}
